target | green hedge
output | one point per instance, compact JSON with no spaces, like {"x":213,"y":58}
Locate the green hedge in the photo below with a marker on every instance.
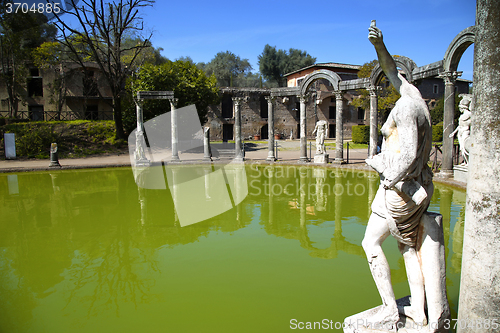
{"x":360,"y":134}
{"x":437,"y":133}
{"x":32,"y":139}
{"x":5,"y":121}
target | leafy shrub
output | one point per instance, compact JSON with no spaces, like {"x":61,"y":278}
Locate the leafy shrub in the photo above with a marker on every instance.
{"x":7,"y":120}
{"x":360,"y":134}
{"x":101,"y":131}
{"x":32,"y":140}
{"x":437,"y":132}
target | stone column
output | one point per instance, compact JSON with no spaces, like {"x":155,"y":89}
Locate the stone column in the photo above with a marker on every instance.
{"x":303,"y":129}
{"x":339,"y":105}
{"x":480,"y":281}
{"x":449,"y":113}
{"x":175,"y":137}
{"x":238,"y":149}
{"x":207,"y":155}
{"x":270,"y":126}
{"x":373,"y":121}
{"x":140,"y":143}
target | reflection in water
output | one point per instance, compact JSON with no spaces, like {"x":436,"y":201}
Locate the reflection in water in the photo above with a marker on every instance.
{"x":89,"y":249}
{"x":314,"y":191}
{"x":13,"y":185}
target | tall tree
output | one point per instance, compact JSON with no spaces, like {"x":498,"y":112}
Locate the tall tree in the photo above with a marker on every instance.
{"x":226,"y":66}
{"x":189,"y":84}
{"x":49,"y":56}
{"x":274,"y":63}
{"x":20,"y":33}
{"x":103,"y":27}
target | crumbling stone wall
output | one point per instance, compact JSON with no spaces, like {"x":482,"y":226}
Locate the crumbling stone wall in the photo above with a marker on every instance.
{"x":286,"y":115}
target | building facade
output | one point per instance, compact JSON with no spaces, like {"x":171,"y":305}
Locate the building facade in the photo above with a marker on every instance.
{"x":320,"y":105}
{"x":67,"y":92}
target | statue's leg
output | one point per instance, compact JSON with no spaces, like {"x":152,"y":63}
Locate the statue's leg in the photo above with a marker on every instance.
{"x":376,"y":233}
{"x":416,"y":282}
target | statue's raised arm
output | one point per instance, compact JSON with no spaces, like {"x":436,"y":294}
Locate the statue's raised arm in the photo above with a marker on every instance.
{"x":385,"y":59}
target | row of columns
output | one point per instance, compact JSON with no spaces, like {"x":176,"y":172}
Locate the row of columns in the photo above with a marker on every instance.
{"x":303,"y":128}
{"x":449,"y":105}
{"x":140,"y":155}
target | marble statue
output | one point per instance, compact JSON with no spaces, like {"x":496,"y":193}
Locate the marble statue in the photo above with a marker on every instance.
{"x":404,"y":194}
{"x":463,"y":129}
{"x":321,"y":131}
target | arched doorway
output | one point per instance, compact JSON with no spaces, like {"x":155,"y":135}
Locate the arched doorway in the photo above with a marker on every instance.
{"x":334,"y":79}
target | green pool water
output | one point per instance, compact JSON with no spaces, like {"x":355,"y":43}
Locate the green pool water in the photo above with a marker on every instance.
{"x":89,"y":251}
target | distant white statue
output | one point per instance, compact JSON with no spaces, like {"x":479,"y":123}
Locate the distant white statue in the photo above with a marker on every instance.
{"x":463,"y":129}
{"x":321,"y":131}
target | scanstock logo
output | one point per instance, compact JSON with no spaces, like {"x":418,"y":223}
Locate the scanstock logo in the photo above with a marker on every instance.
{"x":49,"y":8}
{"x":199,"y":190}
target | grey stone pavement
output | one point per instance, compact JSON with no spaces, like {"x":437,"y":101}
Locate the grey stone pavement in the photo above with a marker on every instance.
{"x":256,"y":152}
{"x":288,"y":152}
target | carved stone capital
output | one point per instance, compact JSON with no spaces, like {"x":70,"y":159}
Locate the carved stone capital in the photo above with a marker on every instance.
{"x":237,"y":100}
{"x":270,"y":99}
{"x":339,"y":95}
{"x":174,"y":102}
{"x":372,"y":91}
{"x":303,"y":98}
{"x":450,"y":77}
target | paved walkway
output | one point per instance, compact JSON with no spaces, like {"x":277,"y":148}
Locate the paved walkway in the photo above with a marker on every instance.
{"x":288,"y":153}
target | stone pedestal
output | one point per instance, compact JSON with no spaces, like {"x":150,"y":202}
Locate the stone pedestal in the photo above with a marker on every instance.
{"x":444,"y":174}
{"x":460,"y":173}
{"x":321,"y":158}
{"x":207,"y":154}
{"x":431,"y":250}
{"x":10,"y":145}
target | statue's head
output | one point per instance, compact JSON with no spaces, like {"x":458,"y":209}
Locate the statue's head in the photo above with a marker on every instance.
{"x":464,"y":104}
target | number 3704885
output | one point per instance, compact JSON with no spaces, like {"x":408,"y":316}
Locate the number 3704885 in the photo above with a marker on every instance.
{"x":42,"y":8}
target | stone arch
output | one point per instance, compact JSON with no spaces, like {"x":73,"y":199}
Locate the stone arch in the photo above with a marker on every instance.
{"x":457,"y":48}
{"x":326,"y":74}
{"x":406,"y":64}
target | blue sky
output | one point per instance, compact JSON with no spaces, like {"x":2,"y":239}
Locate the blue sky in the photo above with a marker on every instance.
{"x":331,"y":31}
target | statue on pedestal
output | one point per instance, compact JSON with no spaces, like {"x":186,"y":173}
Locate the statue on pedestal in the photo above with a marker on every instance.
{"x":321,"y":131}
{"x":463,"y":128}
{"x":400,"y":208}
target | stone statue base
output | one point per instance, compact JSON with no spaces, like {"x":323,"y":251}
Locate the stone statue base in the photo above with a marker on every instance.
{"x":431,"y":252}
{"x":460,"y":173}
{"x":321,"y":158}
{"x":143,"y":163}
{"x":359,"y":323}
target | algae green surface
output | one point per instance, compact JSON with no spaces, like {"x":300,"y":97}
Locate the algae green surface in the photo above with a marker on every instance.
{"x":88,"y":251}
